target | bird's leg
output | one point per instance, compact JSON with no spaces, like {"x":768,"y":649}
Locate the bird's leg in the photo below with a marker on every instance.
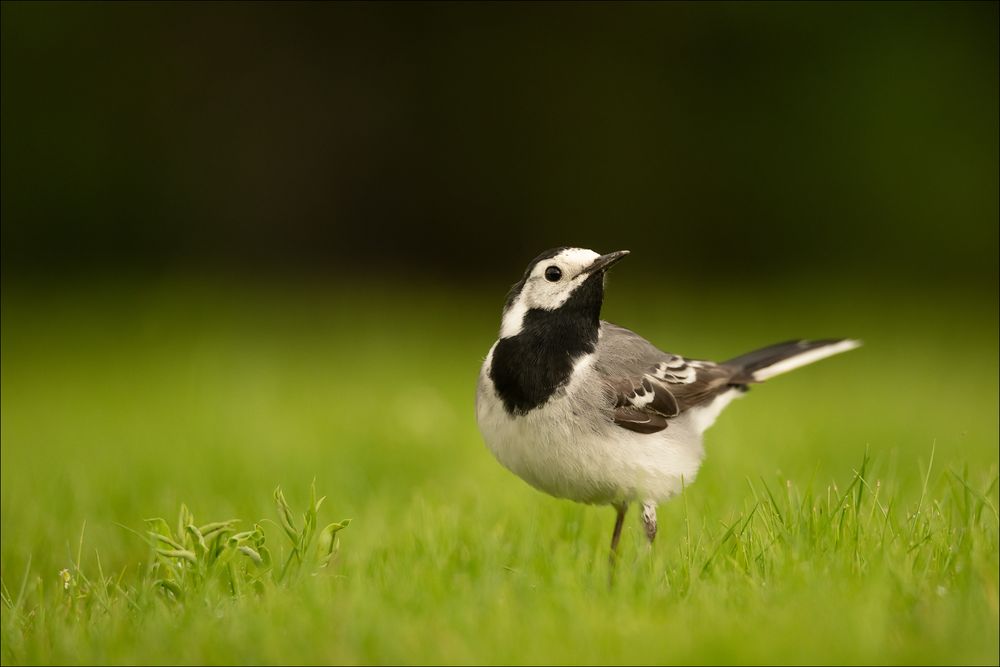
{"x":621,"y":508}
{"x":649,"y":520}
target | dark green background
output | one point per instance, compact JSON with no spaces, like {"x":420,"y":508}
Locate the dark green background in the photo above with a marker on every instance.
{"x":714,"y":140}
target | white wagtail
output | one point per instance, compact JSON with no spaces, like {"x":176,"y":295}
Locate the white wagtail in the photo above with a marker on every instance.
{"x":583,"y":409}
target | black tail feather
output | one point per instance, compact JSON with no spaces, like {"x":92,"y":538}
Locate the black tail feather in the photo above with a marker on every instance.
{"x":747,"y":364}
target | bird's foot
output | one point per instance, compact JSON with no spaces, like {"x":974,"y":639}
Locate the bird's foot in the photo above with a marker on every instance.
{"x":648,"y":517}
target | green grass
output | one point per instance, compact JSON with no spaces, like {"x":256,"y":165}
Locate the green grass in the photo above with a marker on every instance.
{"x":819,"y":529}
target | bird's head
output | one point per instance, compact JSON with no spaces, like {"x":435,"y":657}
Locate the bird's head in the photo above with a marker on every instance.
{"x":560,"y":280}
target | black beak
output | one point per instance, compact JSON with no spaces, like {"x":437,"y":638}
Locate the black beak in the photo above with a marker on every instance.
{"x":606,"y":261}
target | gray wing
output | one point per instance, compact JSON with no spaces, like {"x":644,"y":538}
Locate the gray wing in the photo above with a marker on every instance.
{"x":648,"y":387}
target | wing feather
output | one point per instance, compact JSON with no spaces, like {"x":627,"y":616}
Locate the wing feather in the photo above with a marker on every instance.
{"x":650,"y":387}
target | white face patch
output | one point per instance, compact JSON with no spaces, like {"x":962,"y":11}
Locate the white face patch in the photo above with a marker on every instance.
{"x":540,"y":293}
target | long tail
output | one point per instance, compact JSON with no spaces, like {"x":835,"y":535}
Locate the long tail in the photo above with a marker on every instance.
{"x":767,"y":362}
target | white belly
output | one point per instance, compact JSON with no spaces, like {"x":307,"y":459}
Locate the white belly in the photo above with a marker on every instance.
{"x":592,"y":460}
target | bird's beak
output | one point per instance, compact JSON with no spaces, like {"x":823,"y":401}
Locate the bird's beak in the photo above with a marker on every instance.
{"x":605,"y":261}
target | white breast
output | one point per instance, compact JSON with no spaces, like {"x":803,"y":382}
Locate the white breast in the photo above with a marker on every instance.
{"x":570,"y":447}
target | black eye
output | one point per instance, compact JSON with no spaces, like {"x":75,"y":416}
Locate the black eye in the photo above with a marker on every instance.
{"x":553,"y":274}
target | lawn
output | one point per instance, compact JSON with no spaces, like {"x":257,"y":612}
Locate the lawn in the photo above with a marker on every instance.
{"x":845,"y":513}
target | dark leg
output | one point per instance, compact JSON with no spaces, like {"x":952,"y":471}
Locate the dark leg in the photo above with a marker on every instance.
{"x":649,"y":520}
{"x":621,"y":508}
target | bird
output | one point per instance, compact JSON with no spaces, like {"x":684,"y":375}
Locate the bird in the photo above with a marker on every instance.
{"x":589,"y":411}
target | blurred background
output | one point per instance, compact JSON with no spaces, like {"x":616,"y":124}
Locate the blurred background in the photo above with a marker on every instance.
{"x":246,"y":244}
{"x":226,"y":226}
{"x":725,"y":140}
